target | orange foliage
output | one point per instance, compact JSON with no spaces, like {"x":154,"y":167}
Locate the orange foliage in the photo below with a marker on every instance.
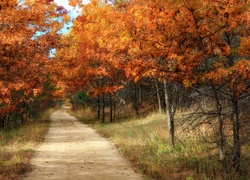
{"x":182,"y":41}
{"x":24,"y":53}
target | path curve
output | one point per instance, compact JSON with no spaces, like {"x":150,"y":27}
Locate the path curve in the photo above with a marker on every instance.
{"x":73,"y":150}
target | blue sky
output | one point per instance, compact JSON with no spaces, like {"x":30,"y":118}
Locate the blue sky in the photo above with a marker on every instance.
{"x":73,"y":12}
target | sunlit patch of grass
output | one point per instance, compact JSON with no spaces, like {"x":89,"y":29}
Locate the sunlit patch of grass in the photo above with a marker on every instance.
{"x":85,"y":115}
{"x":144,"y":141}
{"x":17,"y":146}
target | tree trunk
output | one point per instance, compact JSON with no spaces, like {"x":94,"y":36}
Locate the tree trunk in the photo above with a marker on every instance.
{"x":170,"y":114}
{"x":236,"y":135}
{"x":114,"y":105}
{"x":98,"y":108}
{"x":135,"y":98}
{"x":111,"y":108}
{"x":103,"y":108}
{"x":22,"y":113}
{"x":139,"y":95}
{"x":2,"y":123}
{"x":158,"y":97}
{"x":221,"y":140}
{"x":73,"y":106}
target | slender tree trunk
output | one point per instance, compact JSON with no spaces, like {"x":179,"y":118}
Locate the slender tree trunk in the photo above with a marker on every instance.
{"x":103,"y":102}
{"x":139,"y":95}
{"x":27,"y":110}
{"x":158,"y":97}
{"x":2,"y":123}
{"x":114,"y":105}
{"x":103,"y":108}
{"x":22,"y":119}
{"x":111,"y":108}
{"x":135,"y":98}
{"x":74,"y":104}
{"x":22,"y":113}
{"x":98,"y":108}
{"x":170,"y":114}
{"x":236,"y":135}
{"x":231,"y":60}
{"x":221,"y":140}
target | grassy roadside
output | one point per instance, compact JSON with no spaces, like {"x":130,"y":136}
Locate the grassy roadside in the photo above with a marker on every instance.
{"x":17,"y":146}
{"x":144,"y":141}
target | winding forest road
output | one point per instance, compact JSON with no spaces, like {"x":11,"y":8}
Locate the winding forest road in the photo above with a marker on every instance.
{"x":72,"y":150}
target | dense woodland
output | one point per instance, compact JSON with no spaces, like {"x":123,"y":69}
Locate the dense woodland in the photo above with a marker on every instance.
{"x":185,"y":56}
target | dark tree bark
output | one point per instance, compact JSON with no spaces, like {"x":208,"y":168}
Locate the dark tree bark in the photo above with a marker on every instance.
{"x":236,"y":134}
{"x":221,"y":138}
{"x":103,"y":108}
{"x":111,"y":108}
{"x":136,"y":97}
{"x":98,"y":108}
{"x":114,"y":108}
{"x":2,"y":123}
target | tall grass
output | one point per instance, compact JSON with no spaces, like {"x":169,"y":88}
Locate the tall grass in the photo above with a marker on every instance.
{"x":86,"y":115}
{"x":17,"y":146}
{"x":144,"y":141}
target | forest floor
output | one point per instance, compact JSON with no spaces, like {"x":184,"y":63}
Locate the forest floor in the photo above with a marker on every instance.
{"x":72,"y":150}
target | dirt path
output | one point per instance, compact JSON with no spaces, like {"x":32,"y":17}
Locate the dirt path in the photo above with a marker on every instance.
{"x":73,"y":150}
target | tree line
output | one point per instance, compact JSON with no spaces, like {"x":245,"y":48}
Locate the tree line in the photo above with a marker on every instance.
{"x":28,"y":32}
{"x":167,"y":55}
{"x":196,"y":48}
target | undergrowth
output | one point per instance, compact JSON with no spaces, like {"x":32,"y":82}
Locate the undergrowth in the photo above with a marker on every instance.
{"x":17,"y":146}
{"x":144,"y":141}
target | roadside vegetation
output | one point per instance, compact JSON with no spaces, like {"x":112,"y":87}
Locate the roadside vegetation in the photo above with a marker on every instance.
{"x":187,"y":56}
{"x":190,"y":59}
{"x":17,"y":145}
{"x":144,"y":141}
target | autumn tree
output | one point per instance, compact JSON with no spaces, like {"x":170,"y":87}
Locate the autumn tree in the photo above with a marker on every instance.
{"x":197,"y":44}
{"x":28,"y":30}
{"x":93,"y":69}
{"x":209,"y":35}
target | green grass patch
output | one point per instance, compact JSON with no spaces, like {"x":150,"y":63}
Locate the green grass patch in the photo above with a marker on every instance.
{"x":17,"y":146}
{"x":144,"y":141}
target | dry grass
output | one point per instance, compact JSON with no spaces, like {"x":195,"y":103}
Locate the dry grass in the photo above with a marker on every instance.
{"x":144,"y":141}
{"x":17,"y":146}
{"x":85,"y":115}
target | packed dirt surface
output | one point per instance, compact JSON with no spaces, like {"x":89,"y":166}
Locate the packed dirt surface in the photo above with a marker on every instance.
{"x":72,"y":150}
